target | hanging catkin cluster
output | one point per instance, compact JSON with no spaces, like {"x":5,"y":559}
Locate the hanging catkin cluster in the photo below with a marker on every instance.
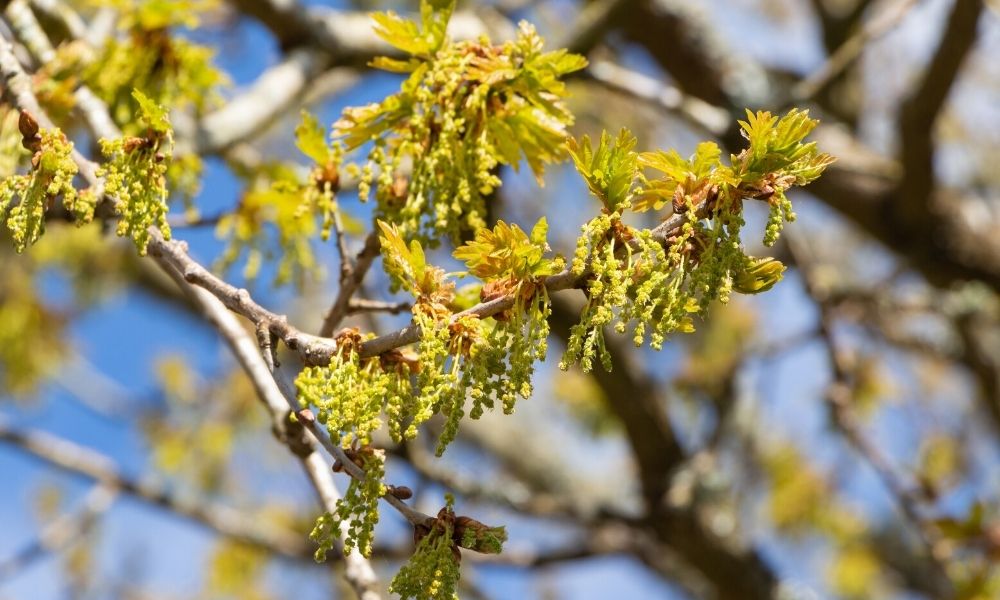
{"x":135,"y":174}
{"x":657,"y":280}
{"x":25,"y":198}
{"x":488,"y":360}
{"x":358,"y":508}
{"x":465,"y":108}
{"x":433,"y":150}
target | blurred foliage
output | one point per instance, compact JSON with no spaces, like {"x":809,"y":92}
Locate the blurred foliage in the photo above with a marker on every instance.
{"x":57,"y":80}
{"x":941,"y":463}
{"x":169,"y":69}
{"x":193,"y":436}
{"x":32,"y":334}
{"x":585,"y":400}
{"x":95,"y":268}
{"x":716,"y":350}
{"x":236,"y":570}
{"x":10,"y":141}
{"x":278,"y":204}
{"x":803,"y":503}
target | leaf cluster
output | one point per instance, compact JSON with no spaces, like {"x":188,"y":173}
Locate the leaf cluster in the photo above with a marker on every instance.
{"x":419,"y":40}
{"x":609,"y":169}
{"x":492,"y":360}
{"x":659,"y":285}
{"x":407,"y":265}
{"x":681,"y":180}
{"x":351,"y":394}
{"x":465,"y":108}
{"x":776,"y":147}
{"x":507,"y":252}
{"x":510,"y":263}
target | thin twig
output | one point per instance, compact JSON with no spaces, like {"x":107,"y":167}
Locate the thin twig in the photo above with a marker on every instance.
{"x":710,"y":119}
{"x":537,"y":503}
{"x":346,"y":264}
{"x":358,"y":571}
{"x":840,"y":399}
{"x":312,"y":349}
{"x":62,"y":532}
{"x":848,"y":52}
{"x":185,"y":222}
{"x":363,"y":305}
{"x":350,"y":281}
{"x":415,"y":517}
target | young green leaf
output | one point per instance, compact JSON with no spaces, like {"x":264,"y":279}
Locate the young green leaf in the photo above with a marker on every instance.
{"x":609,"y":169}
{"x":152,"y":114}
{"x":310,"y":139}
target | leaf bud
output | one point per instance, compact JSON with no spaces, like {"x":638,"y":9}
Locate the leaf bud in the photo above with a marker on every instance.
{"x":758,"y":275}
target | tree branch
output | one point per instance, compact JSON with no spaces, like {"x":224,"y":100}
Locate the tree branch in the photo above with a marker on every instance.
{"x":913,"y":200}
{"x":840,"y":400}
{"x":734,"y":573}
{"x":268,"y":97}
{"x":79,"y":460}
{"x":318,"y":350}
{"x":358,"y":571}
{"x":62,"y":532}
{"x":850,"y":50}
{"x":363,"y":305}
{"x":707,"y":117}
{"x":346,"y":35}
{"x":538,"y":503}
{"x":350,"y":281}
{"x":862,"y":186}
{"x":312,"y":349}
